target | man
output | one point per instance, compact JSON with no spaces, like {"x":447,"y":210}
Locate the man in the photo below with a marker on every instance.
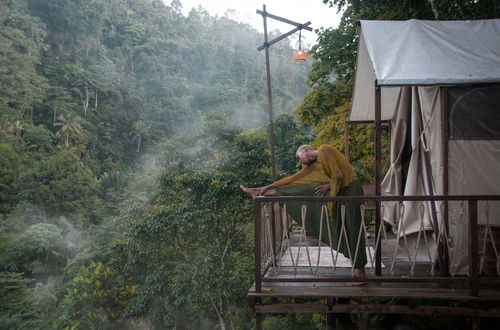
{"x":327,"y":171}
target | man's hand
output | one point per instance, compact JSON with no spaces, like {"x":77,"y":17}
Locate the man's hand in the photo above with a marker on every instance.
{"x":323,"y":189}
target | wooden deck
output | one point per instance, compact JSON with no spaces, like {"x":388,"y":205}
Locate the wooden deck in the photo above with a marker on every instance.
{"x":323,"y":289}
{"x":309,"y":267}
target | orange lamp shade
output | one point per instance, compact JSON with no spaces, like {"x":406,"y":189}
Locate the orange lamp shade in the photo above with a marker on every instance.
{"x":300,"y":55}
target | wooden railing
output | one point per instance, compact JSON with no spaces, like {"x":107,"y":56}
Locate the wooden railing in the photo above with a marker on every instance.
{"x":274,"y":230}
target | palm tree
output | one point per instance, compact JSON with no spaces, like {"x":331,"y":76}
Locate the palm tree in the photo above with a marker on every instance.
{"x":69,"y":127}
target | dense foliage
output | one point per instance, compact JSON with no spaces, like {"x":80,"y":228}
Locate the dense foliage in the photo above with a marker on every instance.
{"x":125,"y":130}
{"x":122,"y":146}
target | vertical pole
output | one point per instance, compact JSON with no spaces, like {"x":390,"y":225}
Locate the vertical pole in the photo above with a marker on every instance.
{"x":476,"y":323}
{"x":258,"y":266}
{"x":330,"y":317}
{"x":445,"y":135}
{"x":258,"y":263}
{"x":378,"y":170}
{"x":269,"y":97}
{"x":473,"y":266}
{"x":258,"y":321}
{"x":274,"y":219}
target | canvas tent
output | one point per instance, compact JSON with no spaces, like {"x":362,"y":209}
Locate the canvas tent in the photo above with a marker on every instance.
{"x":438,"y":83}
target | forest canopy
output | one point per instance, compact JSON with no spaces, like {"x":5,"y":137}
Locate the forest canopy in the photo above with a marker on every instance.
{"x":126,"y":128}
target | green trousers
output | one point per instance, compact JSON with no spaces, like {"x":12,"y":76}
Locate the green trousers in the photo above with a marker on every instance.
{"x":352,"y":221}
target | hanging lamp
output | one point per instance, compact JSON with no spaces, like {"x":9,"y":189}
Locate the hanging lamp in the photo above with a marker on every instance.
{"x":300,"y":53}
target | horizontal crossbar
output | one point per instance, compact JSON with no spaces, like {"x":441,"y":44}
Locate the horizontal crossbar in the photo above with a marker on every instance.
{"x":376,"y":309}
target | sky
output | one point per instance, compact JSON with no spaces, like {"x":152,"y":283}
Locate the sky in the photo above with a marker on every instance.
{"x":300,"y":11}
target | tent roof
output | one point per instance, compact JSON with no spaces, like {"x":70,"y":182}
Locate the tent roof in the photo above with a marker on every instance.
{"x":414,"y":52}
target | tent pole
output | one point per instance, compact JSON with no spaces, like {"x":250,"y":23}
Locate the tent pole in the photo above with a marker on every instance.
{"x":378,"y":170}
{"x":428,"y":176}
{"x":445,"y":131}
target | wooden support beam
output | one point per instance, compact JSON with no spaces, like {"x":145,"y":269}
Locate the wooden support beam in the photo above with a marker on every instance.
{"x":284,"y":20}
{"x":378,"y":309}
{"x":291,"y":308}
{"x":281,"y":37}
{"x":377,"y":279}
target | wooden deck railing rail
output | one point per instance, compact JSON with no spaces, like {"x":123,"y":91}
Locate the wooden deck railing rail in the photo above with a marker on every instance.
{"x":272,"y":234}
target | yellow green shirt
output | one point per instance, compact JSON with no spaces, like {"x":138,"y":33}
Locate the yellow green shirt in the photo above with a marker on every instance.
{"x":330,"y":167}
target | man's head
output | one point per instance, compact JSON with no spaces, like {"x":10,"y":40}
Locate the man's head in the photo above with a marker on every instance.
{"x":306,"y":154}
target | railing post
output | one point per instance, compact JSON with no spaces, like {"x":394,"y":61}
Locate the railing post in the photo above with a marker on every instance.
{"x":330,"y":317}
{"x":258,"y":242}
{"x":445,"y":145}
{"x":378,"y":171}
{"x":473,"y":267}
{"x":274,"y":214}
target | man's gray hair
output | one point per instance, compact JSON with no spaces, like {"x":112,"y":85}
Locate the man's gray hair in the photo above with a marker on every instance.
{"x":303,"y":147}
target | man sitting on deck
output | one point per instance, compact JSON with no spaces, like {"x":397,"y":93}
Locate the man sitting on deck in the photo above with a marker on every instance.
{"x":327,"y":171}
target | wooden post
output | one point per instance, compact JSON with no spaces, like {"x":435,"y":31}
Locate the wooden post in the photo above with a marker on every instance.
{"x":269,"y":97}
{"x":445,"y":145}
{"x":258,"y":321}
{"x":258,"y":263}
{"x":476,"y":323}
{"x":330,"y":317}
{"x":473,"y":262}
{"x":266,"y":45}
{"x":378,"y":170}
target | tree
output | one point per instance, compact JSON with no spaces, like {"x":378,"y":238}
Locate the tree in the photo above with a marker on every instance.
{"x":140,"y":131}
{"x":289,"y":137}
{"x":18,"y":308}
{"x":189,"y":248}
{"x":69,"y":128}
{"x":20,"y":43}
{"x":142,"y":67}
{"x":64,"y":185}
{"x":93,"y":297}
{"x":38,"y":138}
{"x":36,"y":246}
{"x":10,"y":167}
{"x":60,"y":101}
